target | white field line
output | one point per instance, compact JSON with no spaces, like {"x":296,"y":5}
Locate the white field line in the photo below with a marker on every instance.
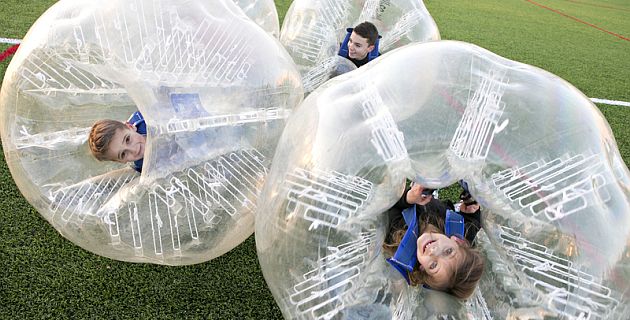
{"x":10,"y":41}
{"x":611,"y":102}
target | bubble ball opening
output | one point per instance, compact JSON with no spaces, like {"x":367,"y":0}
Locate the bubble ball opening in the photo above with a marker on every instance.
{"x":538,"y":156}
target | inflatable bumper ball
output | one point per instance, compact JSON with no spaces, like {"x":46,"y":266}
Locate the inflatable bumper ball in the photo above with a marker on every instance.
{"x":214,"y":91}
{"x":313,"y":32}
{"x":538,"y":156}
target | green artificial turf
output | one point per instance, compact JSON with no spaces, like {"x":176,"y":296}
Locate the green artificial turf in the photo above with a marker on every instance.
{"x":42,"y":275}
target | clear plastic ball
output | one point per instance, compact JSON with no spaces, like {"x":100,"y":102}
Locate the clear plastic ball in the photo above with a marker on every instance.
{"x":215,"y":91}
{"x":312,"y":31}
{"x":537,"y":154}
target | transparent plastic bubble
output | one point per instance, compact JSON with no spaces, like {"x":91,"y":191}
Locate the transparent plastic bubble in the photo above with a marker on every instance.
{"x":537,"y":154}
{"x":263,"y":12}
{"x":214,"y":90}
{"x":312,"y":31}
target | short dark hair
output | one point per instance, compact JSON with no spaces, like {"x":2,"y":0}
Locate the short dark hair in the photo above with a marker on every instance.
{"x":367,"y":30}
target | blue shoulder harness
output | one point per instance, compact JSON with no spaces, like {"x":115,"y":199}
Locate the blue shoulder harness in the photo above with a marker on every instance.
{"x":343,"y":50}
{"x":405,"y":257}
{"x":454,"y":224}
{"x":137,"y":120}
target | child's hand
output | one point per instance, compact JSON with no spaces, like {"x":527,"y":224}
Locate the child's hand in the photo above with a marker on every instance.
{"x":414,"y":195}
{"x":471,"y":208}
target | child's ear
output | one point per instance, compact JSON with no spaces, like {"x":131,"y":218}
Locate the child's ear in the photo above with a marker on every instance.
{"x":130,"y":126}
{"x":370,"y":48}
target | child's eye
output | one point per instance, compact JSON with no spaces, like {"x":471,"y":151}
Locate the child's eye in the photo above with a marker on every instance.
{"x":449,"y":251}
{"x":433,"y":265}
{"x":127,"y":139}
{"x":122,"y":155}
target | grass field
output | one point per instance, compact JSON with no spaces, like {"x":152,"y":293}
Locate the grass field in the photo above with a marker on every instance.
{"x":42,"y":275}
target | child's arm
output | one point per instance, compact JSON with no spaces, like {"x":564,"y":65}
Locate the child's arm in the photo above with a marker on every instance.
{"x":414,"y":195}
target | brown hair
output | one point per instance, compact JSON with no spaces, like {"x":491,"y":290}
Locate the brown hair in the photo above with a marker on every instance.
{"x":466,"y":275}
{"x":368,"y":31}
{"x":101,"y":135}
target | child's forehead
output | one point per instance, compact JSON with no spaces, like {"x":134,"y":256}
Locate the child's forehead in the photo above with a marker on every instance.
{"x":356,"y":37}
{"x":122,"y":132}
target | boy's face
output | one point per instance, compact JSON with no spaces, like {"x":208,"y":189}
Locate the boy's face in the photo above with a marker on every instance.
{"x":126,"y":145}
{"x":358,"y":47}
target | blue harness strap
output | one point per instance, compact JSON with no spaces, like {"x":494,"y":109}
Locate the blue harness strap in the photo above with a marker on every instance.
{"x":374,"y":53}
{"x":137,"y":120}
{"x":454,"y":224}
{"x":405,"y":257}
{"x":343,"y":49}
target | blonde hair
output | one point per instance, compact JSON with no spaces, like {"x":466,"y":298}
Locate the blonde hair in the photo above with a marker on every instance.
{"x":465,"y":276}
{"x":101,"y":135}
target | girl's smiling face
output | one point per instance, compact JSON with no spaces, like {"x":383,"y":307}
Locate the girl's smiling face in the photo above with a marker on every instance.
{"x":438,"y":255}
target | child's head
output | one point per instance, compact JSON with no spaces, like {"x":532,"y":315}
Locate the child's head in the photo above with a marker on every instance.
{"x":445,"y":264}
{"x":112,"y":140}
{"x":362,"y":40}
